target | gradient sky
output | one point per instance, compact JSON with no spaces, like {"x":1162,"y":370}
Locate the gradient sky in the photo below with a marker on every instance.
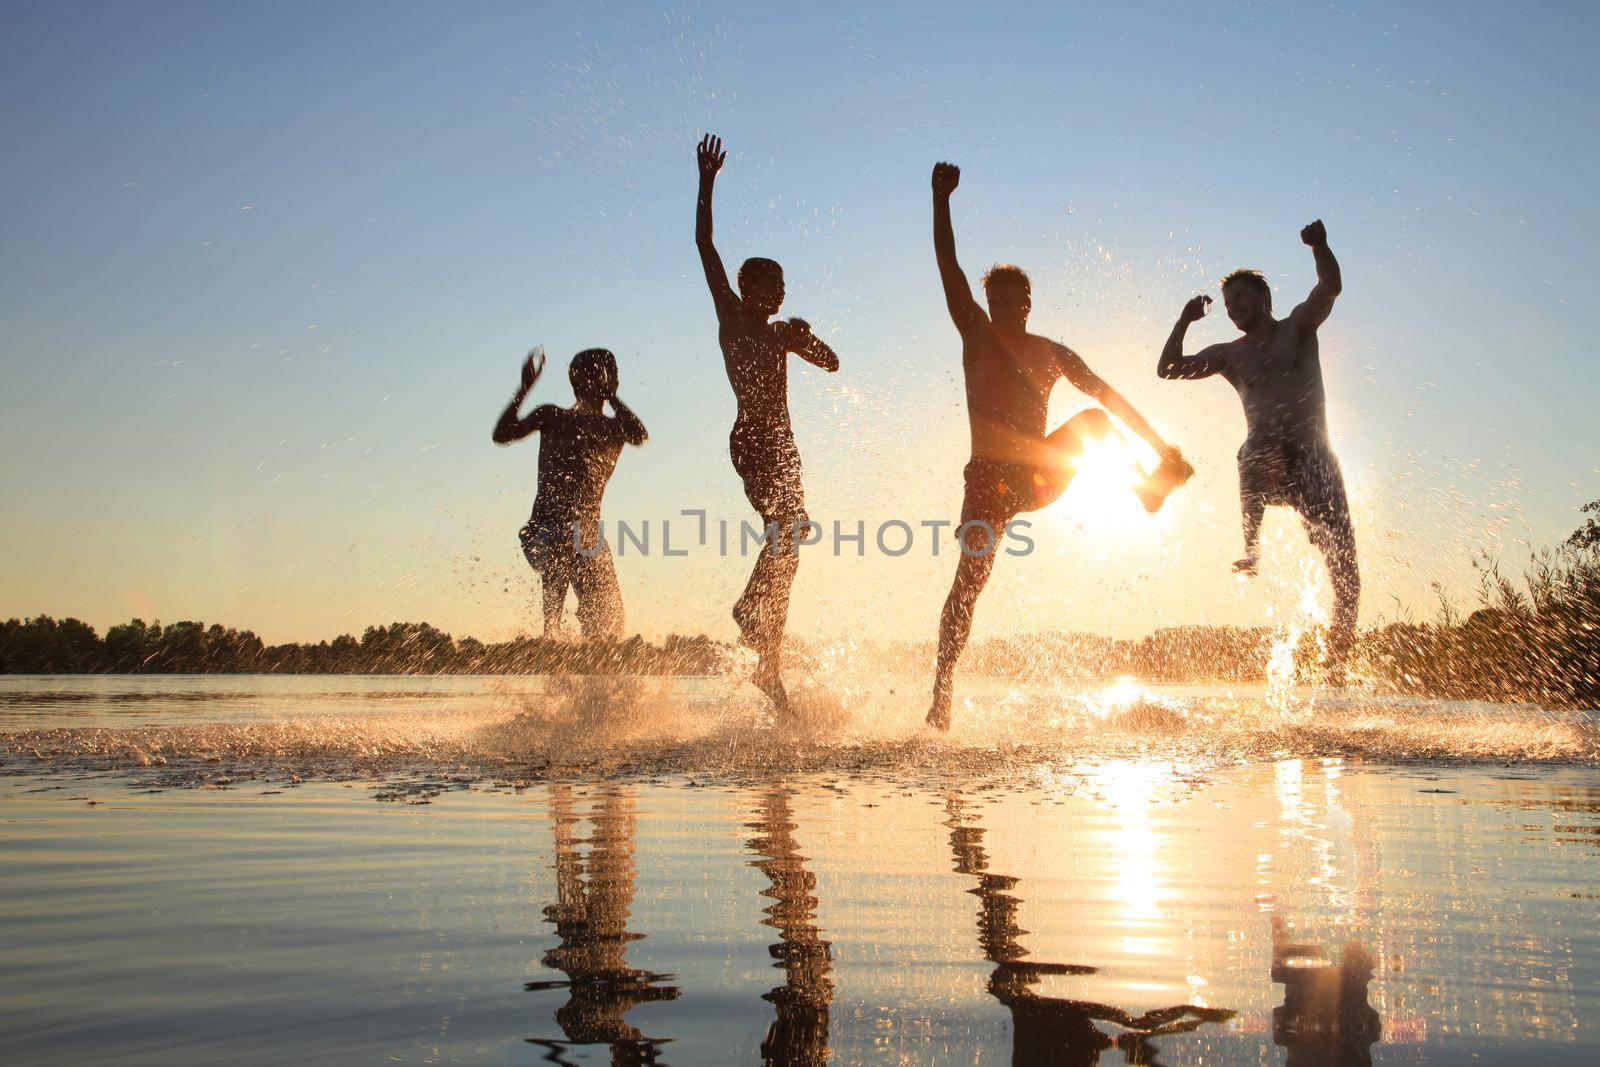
{"x":270,"y":269}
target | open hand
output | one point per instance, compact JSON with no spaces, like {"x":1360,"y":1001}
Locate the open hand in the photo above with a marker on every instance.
{"x":532,"y":367}
{"x":1315,"y":235}
{"x":946,"y":176}
{"x":710,"y":155}
{"x":1195,"y":310}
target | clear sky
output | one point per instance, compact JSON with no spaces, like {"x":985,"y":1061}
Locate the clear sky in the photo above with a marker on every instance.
{"x":269,"y":271}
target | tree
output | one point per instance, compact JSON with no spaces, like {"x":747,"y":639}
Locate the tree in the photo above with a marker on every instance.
{"x":1588,"y":535}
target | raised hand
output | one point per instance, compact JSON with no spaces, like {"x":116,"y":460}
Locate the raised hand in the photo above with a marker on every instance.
{"x":1315,"y":235}
{"x":1195,"y":310}
{"x":532,"y":367}
{"x":710,"y":155}
{"x":799,"y":332}
{"x":946,"y":176}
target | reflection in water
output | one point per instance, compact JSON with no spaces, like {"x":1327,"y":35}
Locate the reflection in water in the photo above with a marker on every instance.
{"x":1047,"y":1029}
{"x":590,"y":915}
{"x":799,"y":1034}
{"x":1325,"y":1020}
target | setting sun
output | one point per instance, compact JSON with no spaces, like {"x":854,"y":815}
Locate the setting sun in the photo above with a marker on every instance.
{"x":1101,"y":494}
{"x":796,"y":533}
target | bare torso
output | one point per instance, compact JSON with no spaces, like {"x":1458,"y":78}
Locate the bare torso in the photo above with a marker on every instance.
{"x":578,"y":450}
{"x":755,"y":356}
{"x":1008,"y":391}
{"x":1279,"y":382}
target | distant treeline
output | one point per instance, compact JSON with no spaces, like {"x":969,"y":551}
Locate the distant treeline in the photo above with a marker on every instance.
{"x":45,"y":645}
{"x":1538,"y":640}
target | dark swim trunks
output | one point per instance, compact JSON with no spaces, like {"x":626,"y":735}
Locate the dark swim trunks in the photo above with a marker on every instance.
{"x":549,"y":543}
{"x":1305,"y":477}
{"x":768,"y":463}
{"x":545,"y":540}
{"x":997,"y":490}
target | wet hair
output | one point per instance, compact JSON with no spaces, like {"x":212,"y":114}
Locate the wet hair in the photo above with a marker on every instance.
{"x":1006,"y":274}
{"x":755,"y":266}
{"x":593,"y":370}
{"x":1251,"y":279}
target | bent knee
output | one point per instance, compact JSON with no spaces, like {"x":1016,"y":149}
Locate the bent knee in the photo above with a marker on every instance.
{"x":1093,"y":422}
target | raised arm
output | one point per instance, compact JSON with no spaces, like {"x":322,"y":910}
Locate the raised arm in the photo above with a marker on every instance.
{"x":1319,"y":305}
{"x":1078,"y":373}
{"x":510,"y":428}
{"x":964,"y":310}
{"x":710,"y":157}
{"x":809,"y":347}
{"x":633,"y":431}
{"x":1173,"y":363}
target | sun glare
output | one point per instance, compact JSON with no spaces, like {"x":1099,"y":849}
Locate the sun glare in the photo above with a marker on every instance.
{"x":1117,"y":697}
{"x":1101,"y":496}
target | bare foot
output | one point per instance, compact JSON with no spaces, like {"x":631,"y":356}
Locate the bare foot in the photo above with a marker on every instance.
{"x":939,"y":713}
{"x":1245,"y":568}
{"x":1172,"y":473}
{"x":767,"y":679}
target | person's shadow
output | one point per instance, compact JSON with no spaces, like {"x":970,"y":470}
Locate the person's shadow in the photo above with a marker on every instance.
{"x":1045,"y":1029}
{"x":594,"y":895}
{"x":798,"y":1034}
{"x":1325,"y":1019}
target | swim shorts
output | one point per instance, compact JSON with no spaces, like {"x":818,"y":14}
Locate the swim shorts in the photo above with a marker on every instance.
{"x":997,"y":490}
{"x":546,"y":540}
{"x":1305,"y":477}
{"x":768,"y":463}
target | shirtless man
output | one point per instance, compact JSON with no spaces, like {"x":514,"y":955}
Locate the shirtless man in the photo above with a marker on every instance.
{"x":1015,"y":467}
{"x":578,"y":450}
{"x":755,"y":353}
{"x":1286,"y":458}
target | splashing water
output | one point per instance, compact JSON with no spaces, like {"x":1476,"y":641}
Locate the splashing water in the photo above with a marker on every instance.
{"x":853,"y":718}
{"x":1284,"y":670}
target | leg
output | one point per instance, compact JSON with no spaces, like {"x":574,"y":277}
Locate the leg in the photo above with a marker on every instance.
{"x":1252,"y":508}
{"x":770,"y":470}
{"x":1074,"y":435}
{"x":955,"y":621}
{"x":1262,"y":473}
{"x":1065,"y":446}
{"x":554,"y":578}
{"x":551,"y":560}
{"x":1326,"y":513}
{"x":599,"y":597}
{"x":762,"y":611}
{"x":1337,"y":542}
{"x":1063,"y":449}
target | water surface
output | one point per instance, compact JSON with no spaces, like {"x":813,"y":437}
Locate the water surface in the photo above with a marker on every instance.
{"x":873,"y":905}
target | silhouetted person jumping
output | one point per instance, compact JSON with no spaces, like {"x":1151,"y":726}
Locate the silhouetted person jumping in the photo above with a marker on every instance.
{"x":755,"y":353}
{"x":1286,"y":458}
{"x":1015,"y":467}
{"x":578,"y":450}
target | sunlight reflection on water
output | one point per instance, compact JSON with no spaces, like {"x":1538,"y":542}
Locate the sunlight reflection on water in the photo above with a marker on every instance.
{"x":1125,"y":909}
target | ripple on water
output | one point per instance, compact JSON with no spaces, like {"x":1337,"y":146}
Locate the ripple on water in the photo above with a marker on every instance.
{"x":650,"y":726}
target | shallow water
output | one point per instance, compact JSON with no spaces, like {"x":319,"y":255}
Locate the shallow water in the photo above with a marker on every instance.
{"x":851,"y":718}
{"x":738,"y":894}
